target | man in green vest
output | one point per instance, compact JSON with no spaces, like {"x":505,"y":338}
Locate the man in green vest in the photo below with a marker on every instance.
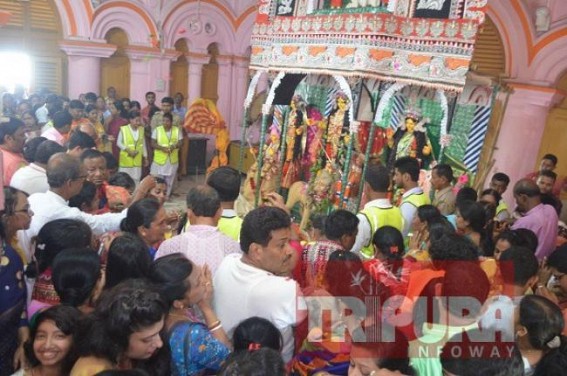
{"x":166,"y":141}
{"x":406,"y":175}
{"x":378,"y":212}
{"x":226,"y":181}
{"x":132,"y":145}
{"x":499,"y":183}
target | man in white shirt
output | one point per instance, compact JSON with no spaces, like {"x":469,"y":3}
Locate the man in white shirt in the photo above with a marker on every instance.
{"x":65,"y":176}
{"x":33,"y":178}
{"x":202,"y":243}
{"x":252,"y":285}
{"x":42,"y":113}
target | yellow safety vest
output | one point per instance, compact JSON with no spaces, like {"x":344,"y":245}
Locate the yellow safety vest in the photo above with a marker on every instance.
{"x":379,"y":217}
{"x":230,"y":226}
{"x":502,"y":206}
{"x":417,"y":199}
{"x":131,"y":144}
{"x":160,"y":157}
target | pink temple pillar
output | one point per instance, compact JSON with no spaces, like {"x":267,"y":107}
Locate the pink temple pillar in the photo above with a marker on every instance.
{"x":84,"y":65}
{"x":239,"y":89}
{"x":520,"y":137}
{"x":224,"y":90}
{"x":196,"y":62}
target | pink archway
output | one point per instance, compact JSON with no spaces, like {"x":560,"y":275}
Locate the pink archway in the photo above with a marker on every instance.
{"x":139,"y":26}
{"x":221,"y":30}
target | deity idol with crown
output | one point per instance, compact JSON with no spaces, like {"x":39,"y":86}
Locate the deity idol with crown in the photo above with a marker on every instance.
{"x":410,"y":140}
{"x":337,"y":129}
{"x":296,"y":129}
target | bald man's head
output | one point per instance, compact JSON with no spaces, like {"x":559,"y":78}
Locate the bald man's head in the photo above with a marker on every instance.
{"x":526,"y":193}
{"x":89,"y":129}
{"x":61,"y":168}
{"x":526,"y":187}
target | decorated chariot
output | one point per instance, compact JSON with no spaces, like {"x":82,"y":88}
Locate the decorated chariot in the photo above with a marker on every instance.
{"x":346,"y":83}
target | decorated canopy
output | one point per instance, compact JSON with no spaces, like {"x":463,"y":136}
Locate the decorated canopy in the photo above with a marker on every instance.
{"x":424,"y":42}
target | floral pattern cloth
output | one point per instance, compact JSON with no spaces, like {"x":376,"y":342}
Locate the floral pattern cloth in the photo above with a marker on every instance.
{"x":194,"y":350}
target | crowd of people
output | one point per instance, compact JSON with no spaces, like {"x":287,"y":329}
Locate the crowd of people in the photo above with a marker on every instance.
{"x":98,"y":278}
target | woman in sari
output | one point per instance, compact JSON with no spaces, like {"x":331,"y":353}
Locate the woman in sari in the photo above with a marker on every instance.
{"x":13,"y":319}
{"x":195,"y":346}
{"x":118,"y":118}
{"x":93,"y":115}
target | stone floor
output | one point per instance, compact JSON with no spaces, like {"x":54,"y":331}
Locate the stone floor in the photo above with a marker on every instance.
{"x":180,"y":189}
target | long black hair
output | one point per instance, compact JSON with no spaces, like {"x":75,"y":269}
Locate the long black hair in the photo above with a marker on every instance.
{"x":128,"y":307}
{"x":75,"y":274}
{"x":127,"y":258}
{"x":58,"y":235}
{"x":257,"y":332}
{"x":169,"y":274}
{"x":544,"y":323}
{"x":475,"y":213}
{"x":141,"y":213}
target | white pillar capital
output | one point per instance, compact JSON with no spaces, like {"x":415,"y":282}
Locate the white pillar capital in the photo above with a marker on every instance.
{"x":142,"y":53}
{"x":224,"y":60}
{"x":196,"y":58}
{"x":85,"y":48}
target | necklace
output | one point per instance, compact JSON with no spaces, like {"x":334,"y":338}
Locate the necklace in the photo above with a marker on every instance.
{"x":187,"y":315}
{"x":180,"y":316}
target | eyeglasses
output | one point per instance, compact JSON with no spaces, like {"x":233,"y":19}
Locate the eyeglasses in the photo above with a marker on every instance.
{"x":82,"y":177}
{"x":28,"y":211}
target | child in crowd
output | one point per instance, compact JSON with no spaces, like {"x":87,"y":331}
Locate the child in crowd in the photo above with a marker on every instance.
{"x":340,"y":233}
{"x":133,"y":151}
{"x":87,"y":200}
{"x":119,"y":191}
{"x":256,"y":333}
{"x":263,"y":362}
{"x":159,"y":192}
{"x":226,"y":181}
{"x":441,"y":179}
{"x":111,"y":163}
{"x":389,"y":267}
{"x":166,"y":141}
{"x":122,"y":179}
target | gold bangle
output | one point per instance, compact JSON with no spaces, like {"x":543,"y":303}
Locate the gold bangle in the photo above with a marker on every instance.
{"x":216,"y":328}
{"x":214,"y":324}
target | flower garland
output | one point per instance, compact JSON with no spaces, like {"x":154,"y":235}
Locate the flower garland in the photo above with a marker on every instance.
{"x":386,"y":99}
{"x":252,"y":89}
{"x":270,"y":99}
{"x":445,"y":139}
